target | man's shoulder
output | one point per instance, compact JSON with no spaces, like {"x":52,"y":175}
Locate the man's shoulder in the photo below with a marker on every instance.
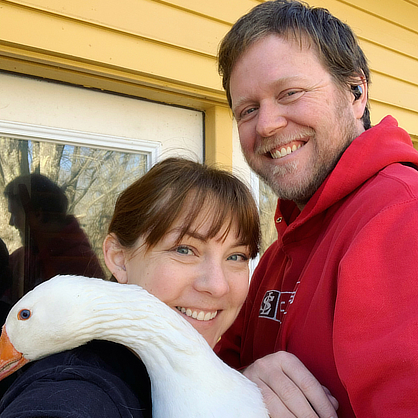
{"x":393,"y":184}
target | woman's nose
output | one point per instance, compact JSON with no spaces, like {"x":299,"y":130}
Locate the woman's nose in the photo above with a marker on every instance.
{"x":212,"y":279}
{"x":270,"y":120}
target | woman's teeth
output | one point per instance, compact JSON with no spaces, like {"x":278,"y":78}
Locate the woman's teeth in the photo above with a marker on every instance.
{"x":200,"y":316}
{"x":282,"y":152}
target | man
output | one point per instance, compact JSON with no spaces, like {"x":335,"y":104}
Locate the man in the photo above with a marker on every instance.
{"x":338,"y":289}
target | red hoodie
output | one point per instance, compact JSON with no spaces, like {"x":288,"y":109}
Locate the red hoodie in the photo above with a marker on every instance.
{"x":339,"y":287}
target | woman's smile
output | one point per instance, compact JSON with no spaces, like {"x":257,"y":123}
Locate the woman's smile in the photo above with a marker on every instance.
{"x":197,"y":314}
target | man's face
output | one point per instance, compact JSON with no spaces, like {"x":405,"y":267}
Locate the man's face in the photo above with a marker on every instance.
{"x":294,"y":122}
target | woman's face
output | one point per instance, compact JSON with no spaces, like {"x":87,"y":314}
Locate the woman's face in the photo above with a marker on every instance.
{"x":205,"y":280}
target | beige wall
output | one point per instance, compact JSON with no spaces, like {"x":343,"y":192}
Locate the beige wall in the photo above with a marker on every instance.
{"x":166,"y":51}
{"x":116,"y":121}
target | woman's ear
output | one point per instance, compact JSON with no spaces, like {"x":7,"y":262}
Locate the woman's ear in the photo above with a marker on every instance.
{"x":114,"y":256}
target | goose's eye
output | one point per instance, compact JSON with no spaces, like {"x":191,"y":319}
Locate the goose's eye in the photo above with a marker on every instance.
{"x":24,"y":314}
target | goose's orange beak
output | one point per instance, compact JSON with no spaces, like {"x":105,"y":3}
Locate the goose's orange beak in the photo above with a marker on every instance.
{"x":10,"y":359}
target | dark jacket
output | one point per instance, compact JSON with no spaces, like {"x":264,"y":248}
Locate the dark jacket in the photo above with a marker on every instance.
{"x":98,"y":380}
{"x":64,"y":251}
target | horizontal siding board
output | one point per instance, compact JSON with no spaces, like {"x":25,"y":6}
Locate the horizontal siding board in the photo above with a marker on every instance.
{"x":398,"y":12}
{"x":391,"y":63}
{"x":406,"y":118}
{"x":383,"y":88}
{"x":372,"y":28}
{"x":68,"y":38}
{"x":148,"y":19}
{"x":226,"y":11}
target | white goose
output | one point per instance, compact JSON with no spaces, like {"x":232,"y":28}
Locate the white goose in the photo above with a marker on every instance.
{"x":188,"y":380}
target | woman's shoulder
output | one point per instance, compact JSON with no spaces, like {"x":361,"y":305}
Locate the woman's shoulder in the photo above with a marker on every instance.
{"x":99,"y":379}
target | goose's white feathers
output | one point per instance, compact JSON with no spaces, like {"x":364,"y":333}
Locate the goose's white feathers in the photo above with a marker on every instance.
{"x":187,"y":378}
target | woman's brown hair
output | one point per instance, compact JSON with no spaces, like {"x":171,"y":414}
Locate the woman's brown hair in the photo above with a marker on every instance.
{"x":149,"y":206}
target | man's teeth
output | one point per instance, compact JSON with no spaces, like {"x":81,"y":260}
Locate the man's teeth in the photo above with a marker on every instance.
{"x":284,"y":151}
{"x":200,"y":316}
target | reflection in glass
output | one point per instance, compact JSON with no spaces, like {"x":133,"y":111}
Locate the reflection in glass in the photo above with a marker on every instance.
{"x":268,"y":203}
{"x":58,"y":202}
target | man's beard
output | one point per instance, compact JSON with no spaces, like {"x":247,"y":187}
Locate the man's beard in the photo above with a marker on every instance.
{"x":303,"y":189}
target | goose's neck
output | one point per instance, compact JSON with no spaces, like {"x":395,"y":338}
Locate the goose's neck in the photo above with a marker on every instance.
{"x":187,"y":378}
{"x":157,"y":333}
{"x":175,"y":354}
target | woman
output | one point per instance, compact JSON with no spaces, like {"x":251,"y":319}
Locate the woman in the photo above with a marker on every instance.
{"x":184,"y":232}
{"x":195,"y":230}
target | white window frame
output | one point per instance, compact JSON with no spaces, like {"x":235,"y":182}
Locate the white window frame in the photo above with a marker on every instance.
{"x":19,"y":130}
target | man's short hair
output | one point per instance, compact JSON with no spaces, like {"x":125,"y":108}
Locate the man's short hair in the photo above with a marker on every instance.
{"x":335,"y":43}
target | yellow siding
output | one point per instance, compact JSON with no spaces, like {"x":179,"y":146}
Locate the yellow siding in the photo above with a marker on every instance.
{"x":172,"y":44}
{"x":98,"y":40}
{"x":166,"y":51}
{"x":218,"y":128}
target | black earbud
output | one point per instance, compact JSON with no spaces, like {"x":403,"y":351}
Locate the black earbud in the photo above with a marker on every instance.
{"x":357,"y":91}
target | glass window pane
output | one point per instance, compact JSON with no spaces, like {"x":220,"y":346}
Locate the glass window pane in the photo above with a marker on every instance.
{"x":59,"y":202}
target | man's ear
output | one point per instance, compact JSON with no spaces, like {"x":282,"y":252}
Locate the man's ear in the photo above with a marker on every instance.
{"x":360,"y":97}
{"x":114,"y":256}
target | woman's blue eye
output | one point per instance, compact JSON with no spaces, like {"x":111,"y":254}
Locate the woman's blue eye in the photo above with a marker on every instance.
{"x":24,"y":314}
{"x":237,"y":257}
{"x":183,"y":250}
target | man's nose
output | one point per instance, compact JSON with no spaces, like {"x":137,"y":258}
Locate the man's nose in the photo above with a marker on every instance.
{"x":270,"y":120}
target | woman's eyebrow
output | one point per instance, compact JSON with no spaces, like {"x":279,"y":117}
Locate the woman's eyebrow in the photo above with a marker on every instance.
{"x":193,"y":234}
{"x":196,"y":235}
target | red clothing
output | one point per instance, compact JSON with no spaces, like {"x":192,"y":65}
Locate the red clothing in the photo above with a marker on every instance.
{"x":339,"y":288}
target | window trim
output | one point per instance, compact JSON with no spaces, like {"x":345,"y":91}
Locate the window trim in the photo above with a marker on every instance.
{"x":26,"y":131}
